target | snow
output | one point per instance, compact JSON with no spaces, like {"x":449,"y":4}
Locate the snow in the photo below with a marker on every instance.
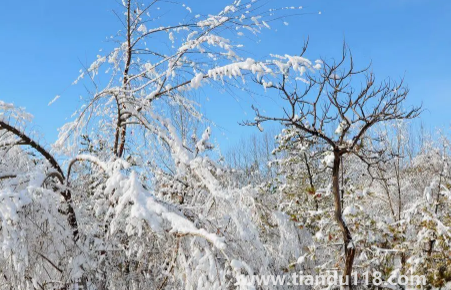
{"x":212,"y":21}
{"x":233,"y":70}
{"x":341,"y":127}
{"x":362,"y":193}
{"x":328,"y":159}
{"x":350,"y":210}
{"x":301,"y":259}
{"x":203,"y":144}
{"x":142,"y":28}
{"x":428,"y":194}
{"x":196,"y":81}
{"x":146,"y":208}
{"x":230,"y":8}
{"x":10,"y":112}
{"x":94,"y":67}
{"x":319,"y":236}
{"x":54,"y":100}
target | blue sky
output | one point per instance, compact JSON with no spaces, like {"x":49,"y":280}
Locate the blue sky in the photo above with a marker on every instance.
{"x":44,"y":41}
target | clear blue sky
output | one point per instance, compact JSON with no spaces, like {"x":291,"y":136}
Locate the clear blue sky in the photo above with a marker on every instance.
{"x":43,"y":42}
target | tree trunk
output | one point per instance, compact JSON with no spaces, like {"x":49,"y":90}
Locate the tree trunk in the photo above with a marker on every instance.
{"x":347,"y":238}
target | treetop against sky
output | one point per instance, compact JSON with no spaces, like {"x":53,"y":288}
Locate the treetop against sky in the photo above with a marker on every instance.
{"x":47,"y":42}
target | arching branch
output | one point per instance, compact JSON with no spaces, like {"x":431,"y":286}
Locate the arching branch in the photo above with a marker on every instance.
{"x":30,"y":142}
{"x":85,"y":158}
{"x":58,"y":173}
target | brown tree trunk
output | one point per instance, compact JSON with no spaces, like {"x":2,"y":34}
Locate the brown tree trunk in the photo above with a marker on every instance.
{"x":121,"y":129}
{"x":347,"y":238}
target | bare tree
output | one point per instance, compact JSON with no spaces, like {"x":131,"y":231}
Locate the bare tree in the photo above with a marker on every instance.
{"x":330,"y":98}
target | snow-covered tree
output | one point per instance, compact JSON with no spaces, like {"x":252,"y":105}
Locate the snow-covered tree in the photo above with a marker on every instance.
{"x":315,"y":103}
{"x":136,"y":202}
{"x":135,"y":194}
